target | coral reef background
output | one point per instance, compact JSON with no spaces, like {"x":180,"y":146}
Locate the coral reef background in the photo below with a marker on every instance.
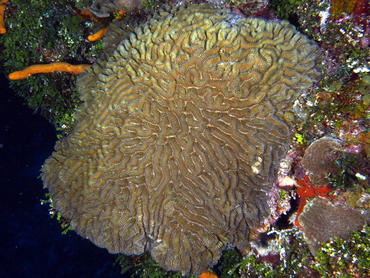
{"x":31,"y":244}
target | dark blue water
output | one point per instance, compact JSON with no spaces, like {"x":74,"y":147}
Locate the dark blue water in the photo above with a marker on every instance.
{"x":31,"y":243}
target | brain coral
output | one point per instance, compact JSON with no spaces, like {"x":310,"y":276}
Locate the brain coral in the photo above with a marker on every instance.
{"x":181,"y":131}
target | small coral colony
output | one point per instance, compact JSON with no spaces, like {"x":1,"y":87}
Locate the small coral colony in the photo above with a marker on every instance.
{"x":211,"y":139}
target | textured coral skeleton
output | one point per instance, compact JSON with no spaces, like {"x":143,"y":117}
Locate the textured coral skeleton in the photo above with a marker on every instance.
{"x":180,"y":135}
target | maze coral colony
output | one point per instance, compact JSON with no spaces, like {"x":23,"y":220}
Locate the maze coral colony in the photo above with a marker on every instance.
{"x":180,"y":134}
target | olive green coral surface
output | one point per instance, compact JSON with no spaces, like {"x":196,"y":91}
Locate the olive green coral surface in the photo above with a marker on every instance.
{"x":180,"y":135}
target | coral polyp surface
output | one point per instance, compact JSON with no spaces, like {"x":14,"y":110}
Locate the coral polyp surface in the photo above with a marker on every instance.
{"x":322,"y":221}
{"x":180,"y":135}
{"x":319,"y":159}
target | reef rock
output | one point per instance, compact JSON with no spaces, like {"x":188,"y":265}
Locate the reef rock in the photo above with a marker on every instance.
{"x":180,"y":134}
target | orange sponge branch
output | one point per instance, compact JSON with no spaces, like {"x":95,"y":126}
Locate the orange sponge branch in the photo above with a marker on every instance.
{"x":120,"y":14}
{"x":84,"y":15}
{"x":47,"y":68}
{"x":207,"y":274}
{"x":2,"y":14}
{"x":98,"y":35}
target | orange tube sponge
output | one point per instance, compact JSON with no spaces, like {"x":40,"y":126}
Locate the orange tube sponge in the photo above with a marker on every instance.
{"x":84,"y":14}
{"x":46,"y":68}
{"x":2,"y":14}
{"x":207,"y":274}
{"x":98,"y":35}
{"x":120,"y":15}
